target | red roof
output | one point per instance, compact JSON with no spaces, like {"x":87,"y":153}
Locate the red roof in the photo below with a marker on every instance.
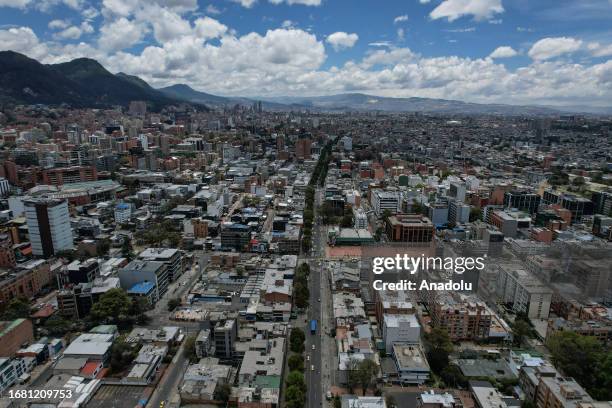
{"x":90,"y":368}
{"x":43,"y":312}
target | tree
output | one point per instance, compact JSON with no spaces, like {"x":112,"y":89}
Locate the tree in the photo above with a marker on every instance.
{"x":57,"y":326}
{"x":346,"y":221}
{"x":102,"y":247}
{"x":294,"y":397}
{"x":367,"y":371}
{"x":296,"y":362}
{"x":453,"y":377}
{"x":475,"y":214}
{"x":17,"y":308}
{"x":223,"y":392}
{"x":122,"y":354}
{"x":439,"y":347}
{"x":352,"y":373}
{"x":126,"y":249}
{"x":296,"y":340}
{"x":173,"y":304}
{"x":520,"y":330}
{"x":190,"y":350}
{"x":576,"y":356}
{"x":114,"y":306}
{"x":296,"y":379}
{"x":390,"y":400}
{"x":578,"y":181}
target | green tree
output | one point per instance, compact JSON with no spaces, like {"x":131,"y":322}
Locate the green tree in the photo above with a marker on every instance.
{"x":114,"y":306}
{"x":520,"y":331}
{"x":57,"y":326}
{"x":577,"y":356}
{"x":296,"y":379}
{"x":296,"y":362}
{"x":17,"y":308}
{"x":367,"y":370}
{"x":296,"y":340}
{"x":173,"y":304}
{"x":223,"y":392}
{"x":390,"y":400}
{"x":122,"y":354}
{"x":453,"y":377}
{"x":439,"y":347}
{"x":190,"y":350}
{"x":102,"y":247}
{"x":126,"y":249}
{"x":294,"y":397}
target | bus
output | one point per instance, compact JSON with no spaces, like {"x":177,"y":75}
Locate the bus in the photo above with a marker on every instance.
{"x":313,"y":326}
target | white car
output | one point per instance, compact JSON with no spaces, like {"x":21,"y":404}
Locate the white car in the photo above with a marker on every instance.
{"x":311,"y":368}
{"x":313,"y":347}
{"x":307,"y":357}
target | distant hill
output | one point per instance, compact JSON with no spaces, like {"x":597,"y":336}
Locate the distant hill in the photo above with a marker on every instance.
{"x":82,"y":82}
{"x":363,"y":102}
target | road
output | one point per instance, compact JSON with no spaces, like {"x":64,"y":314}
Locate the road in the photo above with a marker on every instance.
{"x":168,"y":384}
{"x":319,"y":380}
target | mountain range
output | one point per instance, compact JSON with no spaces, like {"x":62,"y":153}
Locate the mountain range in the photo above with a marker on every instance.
{"x":84,"y":82}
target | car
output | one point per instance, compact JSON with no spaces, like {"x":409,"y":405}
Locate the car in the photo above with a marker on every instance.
{"x":319,"y":299}
{"x":311,"y":368}
{"x":308,"y":357}
{"x":328,"y":395}
{"x":313,"y":347}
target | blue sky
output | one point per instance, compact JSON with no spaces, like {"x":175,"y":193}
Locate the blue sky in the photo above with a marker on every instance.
{"x":518,"y":51}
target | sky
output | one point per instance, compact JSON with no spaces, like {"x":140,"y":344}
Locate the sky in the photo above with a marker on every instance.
{"x":544,"y":52}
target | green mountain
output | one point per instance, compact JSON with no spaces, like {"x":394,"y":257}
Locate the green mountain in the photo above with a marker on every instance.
{"x":82,"y":82}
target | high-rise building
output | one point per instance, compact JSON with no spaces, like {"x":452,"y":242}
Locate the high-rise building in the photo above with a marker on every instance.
{"x":522,"y":200}
{"x":48,"y":225}
{"x":302,"y":148}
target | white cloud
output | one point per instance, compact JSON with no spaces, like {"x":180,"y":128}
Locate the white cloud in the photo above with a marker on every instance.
{"x":504,"y":52}
{"x":207,"y":28}
{"x":302,"y":2}
{"x":552,"y":47}
{"x":479,"y":9}
{"x":424,"y":1}
{"x":90,"y":13}
{"x":245,"y":3}
{"x":120,"y":34}
{"x":401,"y":34}
{"x":22,"y":39}
{"x":211,"y":9}
{"x":58,"y":24}
{"x":20,"y":4}
{"x":74,"y":32}
{"x":288,"y":24}
{"x":599,"y":50}
{"x":341,"y":40}
{"x":290,"y":62}
{"x":400,"y":19}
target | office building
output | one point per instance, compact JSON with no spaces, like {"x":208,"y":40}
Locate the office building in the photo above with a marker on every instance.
{"x":171,"y":257}
{"x":49,"y":226}
{"x":410,"y":228}
{"x":523,"y":291}
{"x":522,"y":200}
{"x":400,"y":328}
{"x":146,"y":271}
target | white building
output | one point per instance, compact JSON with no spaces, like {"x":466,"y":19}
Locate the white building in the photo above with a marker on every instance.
{"x":123,"y":213}
{"x":48,"y":225}
{"x":523,"y":291}
{"x":400,"y":328}
{"x":5,"y":188}
{"x":360,"y":219}
{"x":386,"y":200}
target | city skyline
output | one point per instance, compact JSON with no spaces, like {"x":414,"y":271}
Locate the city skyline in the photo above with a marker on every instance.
{"x":485,"y":51}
